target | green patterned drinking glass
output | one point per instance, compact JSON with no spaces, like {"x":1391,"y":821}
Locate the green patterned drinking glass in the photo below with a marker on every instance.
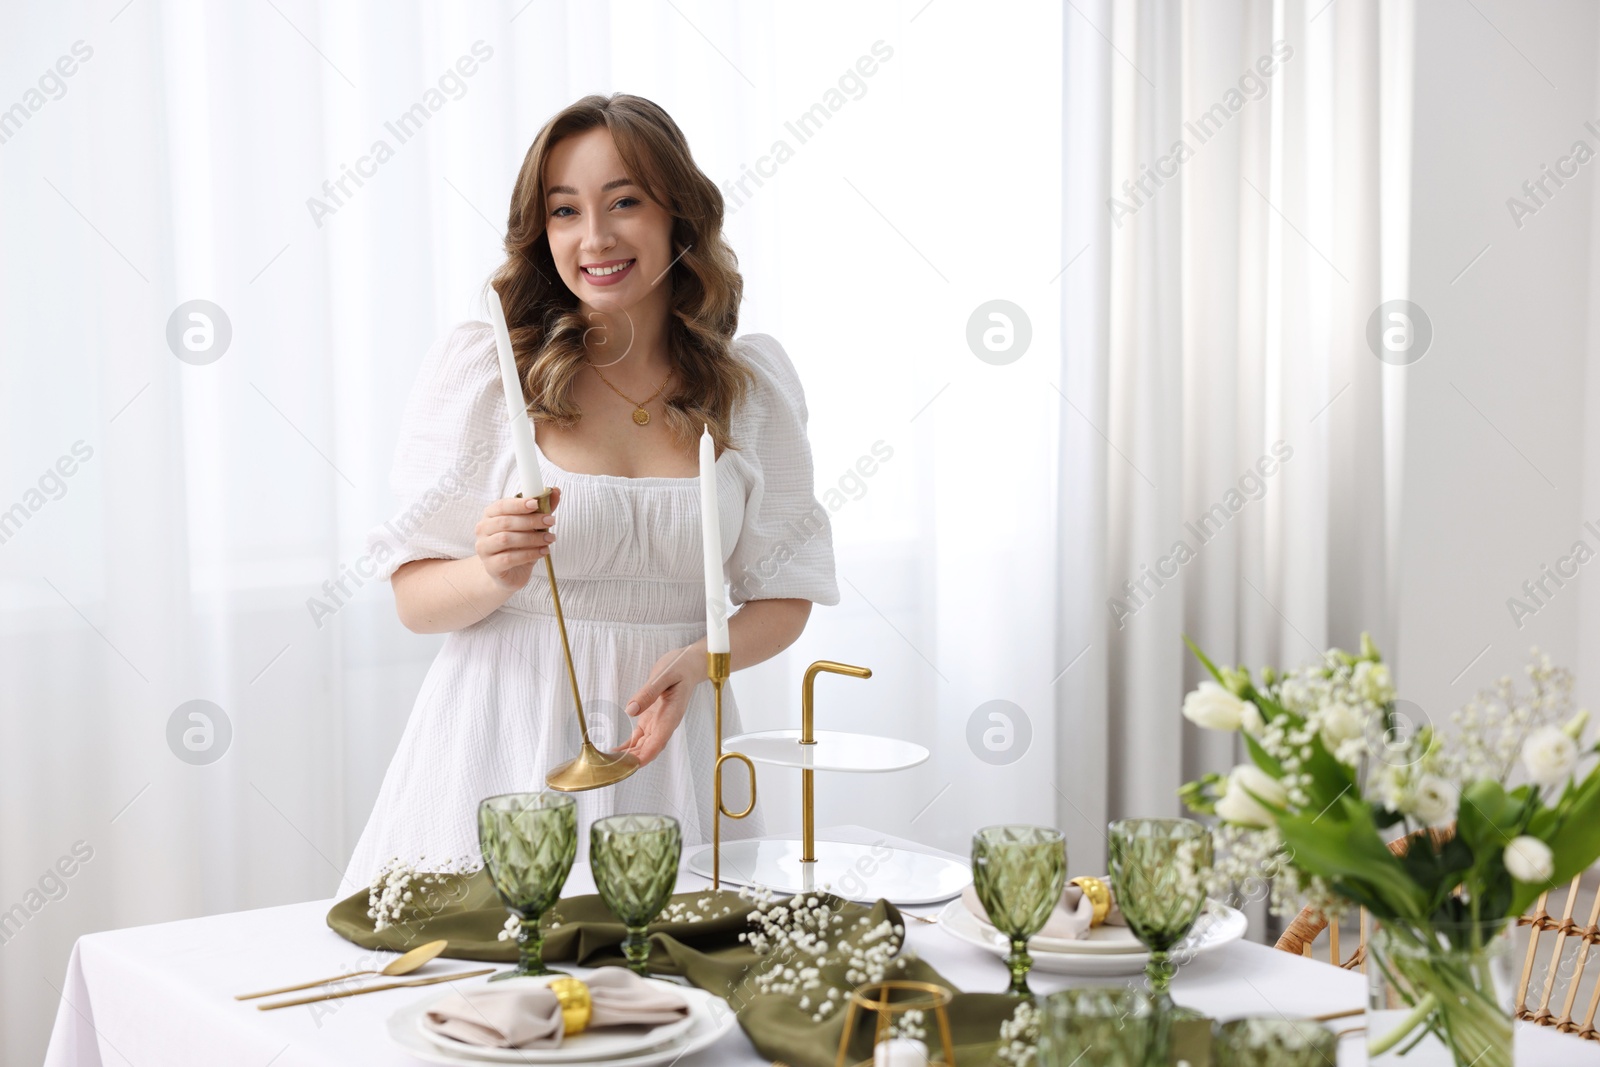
{"x":1018,"y":873}
{"x":634,"y":859}
{"x":1113,"y":1023}
{"x":529,"y":841}
{"x":1156,"y":876}
{"x":1274,"y":1043}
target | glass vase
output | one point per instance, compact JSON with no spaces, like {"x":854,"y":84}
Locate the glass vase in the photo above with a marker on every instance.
{"x":1440,"y":995}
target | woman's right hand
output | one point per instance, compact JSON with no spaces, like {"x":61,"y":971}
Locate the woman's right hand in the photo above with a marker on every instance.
{"x":512,"y":538}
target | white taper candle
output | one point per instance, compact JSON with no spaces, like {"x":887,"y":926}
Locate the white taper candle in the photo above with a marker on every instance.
{"x":711,"y":538}
{"x":516,"y":408}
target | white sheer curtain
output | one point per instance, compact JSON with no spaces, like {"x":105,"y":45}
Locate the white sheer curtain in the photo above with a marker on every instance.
{"x":220,"y":504}
{"x":1219,"y":391}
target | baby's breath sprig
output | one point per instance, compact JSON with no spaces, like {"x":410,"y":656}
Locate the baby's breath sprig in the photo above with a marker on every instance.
{"x":806,"y":943}
{"x":401,"y":893}
{"x":1019,"y":1036}
{"x":699,"y":909}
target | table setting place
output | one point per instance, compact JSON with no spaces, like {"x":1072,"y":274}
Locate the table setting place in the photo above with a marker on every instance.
{"x":638,"y":973}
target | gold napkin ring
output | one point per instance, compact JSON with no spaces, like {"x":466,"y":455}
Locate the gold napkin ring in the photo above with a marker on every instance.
{"x":576,"y":1007}
{"x":1099,"y":895}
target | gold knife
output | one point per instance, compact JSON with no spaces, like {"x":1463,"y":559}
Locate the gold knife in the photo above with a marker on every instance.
{"x":375,"y":989}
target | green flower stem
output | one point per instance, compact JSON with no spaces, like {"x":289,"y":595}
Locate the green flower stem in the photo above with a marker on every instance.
{"x":1418,"y":1014}
{"x":1454,"y":999}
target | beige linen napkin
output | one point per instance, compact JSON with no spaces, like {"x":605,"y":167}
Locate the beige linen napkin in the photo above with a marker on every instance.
{"x":529,"y":1016}
{"x":1070,"y":919}
{"x":622,"y":998}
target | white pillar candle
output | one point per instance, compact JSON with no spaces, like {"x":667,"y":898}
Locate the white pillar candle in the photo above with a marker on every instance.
{"x":711,"y":539}
{"x":900,"y":1052}
{"x":516,"y":408}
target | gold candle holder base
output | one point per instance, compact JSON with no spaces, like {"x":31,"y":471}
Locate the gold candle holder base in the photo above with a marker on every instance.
{"x":717,"y":669}
{"x":890,"y":998}
{"x":592,"y":768}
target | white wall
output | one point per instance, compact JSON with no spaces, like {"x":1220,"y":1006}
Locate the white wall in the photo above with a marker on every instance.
{"x":1495,"y":431}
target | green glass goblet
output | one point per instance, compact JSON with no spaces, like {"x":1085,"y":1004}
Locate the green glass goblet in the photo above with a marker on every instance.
{"x":1115,"y":1024}
{"x":1274,"y":1043}
{"x":634,"y":859}
{"x":1156,"y":874}
{"x":1018,"y":873}
{"x":528,"y":841}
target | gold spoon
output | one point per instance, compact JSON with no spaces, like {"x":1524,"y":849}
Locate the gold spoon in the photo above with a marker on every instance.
{"x":435,"y":980}
{"x":404,"y":965}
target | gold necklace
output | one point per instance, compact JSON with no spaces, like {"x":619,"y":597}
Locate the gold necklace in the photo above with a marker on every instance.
{"x":641,"y":417}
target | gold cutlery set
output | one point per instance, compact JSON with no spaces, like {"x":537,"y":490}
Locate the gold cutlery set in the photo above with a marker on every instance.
{"x":405,"y":964}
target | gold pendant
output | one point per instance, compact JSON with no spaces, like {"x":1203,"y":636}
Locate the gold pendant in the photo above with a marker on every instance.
{"x":641,"y":416}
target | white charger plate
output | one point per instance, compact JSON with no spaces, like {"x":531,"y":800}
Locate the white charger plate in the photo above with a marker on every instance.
{"x":1218,"y":925}
{"x":709,"y":1019}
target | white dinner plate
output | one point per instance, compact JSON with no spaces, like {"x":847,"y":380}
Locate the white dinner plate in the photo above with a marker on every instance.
{"x":709,"y":1019}
{"x":1217,"y":925}
{"x":1102,"y":940}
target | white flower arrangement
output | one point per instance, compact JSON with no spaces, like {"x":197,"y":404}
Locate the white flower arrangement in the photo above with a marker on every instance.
{"x":1443,"y":837}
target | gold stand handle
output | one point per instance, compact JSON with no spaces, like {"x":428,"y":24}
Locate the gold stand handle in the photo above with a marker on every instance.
{"x":808,"y":799}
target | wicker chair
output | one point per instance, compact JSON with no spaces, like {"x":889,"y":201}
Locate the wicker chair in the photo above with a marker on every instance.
{"x":1545,"y":957}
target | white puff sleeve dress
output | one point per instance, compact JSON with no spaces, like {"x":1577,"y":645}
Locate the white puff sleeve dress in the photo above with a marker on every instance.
{"x":495,"y":712}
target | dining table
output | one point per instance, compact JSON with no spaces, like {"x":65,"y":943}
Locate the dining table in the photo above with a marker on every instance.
{"x":163,"y":994}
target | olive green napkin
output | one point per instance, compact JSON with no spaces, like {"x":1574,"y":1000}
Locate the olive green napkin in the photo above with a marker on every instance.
{"x":466,"y":910}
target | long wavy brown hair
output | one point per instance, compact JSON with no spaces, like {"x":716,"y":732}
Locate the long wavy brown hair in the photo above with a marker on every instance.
{"x":546,"y":325}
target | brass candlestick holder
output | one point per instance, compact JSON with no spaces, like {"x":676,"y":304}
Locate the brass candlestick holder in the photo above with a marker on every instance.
{"x":717,"y":664}
{"x":592,"y":768}
{"x":895,"y":997}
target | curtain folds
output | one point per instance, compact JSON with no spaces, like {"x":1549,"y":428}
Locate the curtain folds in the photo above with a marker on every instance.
{"x":1223,"y":443}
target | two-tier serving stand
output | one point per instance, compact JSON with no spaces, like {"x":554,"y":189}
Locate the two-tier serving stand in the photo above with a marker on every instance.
{"x":856,"y":871}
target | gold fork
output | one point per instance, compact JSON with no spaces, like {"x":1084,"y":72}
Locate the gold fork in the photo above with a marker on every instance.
{"x":375,"y":989}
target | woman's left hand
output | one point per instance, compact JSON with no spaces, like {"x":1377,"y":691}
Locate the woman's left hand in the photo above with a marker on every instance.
{"x":658,"y":707}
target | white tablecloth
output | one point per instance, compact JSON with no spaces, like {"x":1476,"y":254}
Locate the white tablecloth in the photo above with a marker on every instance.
{"x":164,"y":994}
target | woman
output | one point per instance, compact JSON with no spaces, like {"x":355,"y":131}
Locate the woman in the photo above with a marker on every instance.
{"x":622,"y":298}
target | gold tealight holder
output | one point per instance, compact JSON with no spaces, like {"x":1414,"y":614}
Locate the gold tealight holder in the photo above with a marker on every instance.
{"x":896,"y":997}
{"x":592,"y":768}
{"x":717,"y":669}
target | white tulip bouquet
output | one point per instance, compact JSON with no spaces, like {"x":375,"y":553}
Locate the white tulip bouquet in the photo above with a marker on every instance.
{"x":1498,"y":810}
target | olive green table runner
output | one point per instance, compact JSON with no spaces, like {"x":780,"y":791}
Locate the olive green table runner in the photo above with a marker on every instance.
{"x":708,"y":952}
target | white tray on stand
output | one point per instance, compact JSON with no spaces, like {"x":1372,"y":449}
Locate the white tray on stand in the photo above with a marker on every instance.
{"x":855,"y":872}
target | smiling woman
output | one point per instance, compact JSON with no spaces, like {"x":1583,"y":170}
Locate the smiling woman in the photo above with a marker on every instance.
{"x":621,"y":298}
